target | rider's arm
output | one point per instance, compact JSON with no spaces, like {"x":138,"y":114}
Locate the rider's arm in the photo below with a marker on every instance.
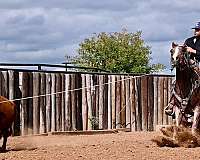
{"x":196,"y":53}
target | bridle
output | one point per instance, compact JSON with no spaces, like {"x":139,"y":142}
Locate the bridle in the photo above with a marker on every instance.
{"x":182,"y":58}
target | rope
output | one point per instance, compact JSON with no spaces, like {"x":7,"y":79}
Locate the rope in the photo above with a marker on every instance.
{"x":77,"y":89}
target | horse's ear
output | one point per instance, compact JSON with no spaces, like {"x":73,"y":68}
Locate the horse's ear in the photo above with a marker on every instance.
{"x":174,"y":45}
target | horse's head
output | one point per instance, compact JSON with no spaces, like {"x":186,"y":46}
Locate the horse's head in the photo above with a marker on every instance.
{"x":179,"y":56}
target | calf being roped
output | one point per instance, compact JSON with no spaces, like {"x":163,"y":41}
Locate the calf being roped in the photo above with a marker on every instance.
{"x":7,"y":116}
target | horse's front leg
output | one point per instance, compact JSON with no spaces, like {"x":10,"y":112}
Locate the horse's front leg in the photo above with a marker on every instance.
{"x":195,"y":124}
{"x":178,"y":119}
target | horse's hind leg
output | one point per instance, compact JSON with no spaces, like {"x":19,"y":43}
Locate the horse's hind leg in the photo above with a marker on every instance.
{"x":6,"y":133}
{"x":196,"y":121}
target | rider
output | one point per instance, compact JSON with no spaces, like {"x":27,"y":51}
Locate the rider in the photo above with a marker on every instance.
{"x":193,"y":44}
{"x":193,"y":48}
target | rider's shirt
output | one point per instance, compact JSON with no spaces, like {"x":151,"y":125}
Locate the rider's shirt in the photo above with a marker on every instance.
{"x":194,"y":43}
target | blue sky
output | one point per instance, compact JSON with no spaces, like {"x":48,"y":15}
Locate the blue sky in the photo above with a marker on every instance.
{"x":48,"y":30}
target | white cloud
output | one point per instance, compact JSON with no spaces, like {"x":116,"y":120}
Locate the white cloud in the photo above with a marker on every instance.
{"x":45,"y":31}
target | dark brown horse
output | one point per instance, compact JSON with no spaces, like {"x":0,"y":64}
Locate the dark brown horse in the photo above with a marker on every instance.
{"x":185,"y":100}
{"x":7,"y":116}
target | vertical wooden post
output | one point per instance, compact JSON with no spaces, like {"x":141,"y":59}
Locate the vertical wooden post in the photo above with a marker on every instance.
{"x":68,"y":114}
{"x":150,"y":103}
{"x":118,"y":102}
{"x":42,"y":103}
{"x":36,"y":107}
{"x":160,"y":100}
{"x":11,"y":94}
{"x":109,"y":102}
{"x":63,"y":102}
{"x":53,"y":102}
{"x":113,"y":102}
{"x":58,"y":102}
{"x":101,"y":101}
{"x":129,"y":101}
{"x":97,"y":101}
{"x":73,"y":102}
{"x":48,"y":101}
{"x":89,"y":101}
{"x":144,"y":102}
{"x":132,"y":102}
{"x":105,"y":102}
{"x":14,"y":92}
{"x":4,"y":84}
{"x":93,"y":97}
{"x":155,"y":87}
{"x":138,"y":107}
{"x":79,"y":102}
{"x":84,"y":103}
{"x":123,"y":103}
{"x":24,"y":117}
{"x":165,"y":99}
{"x":30,"y":103}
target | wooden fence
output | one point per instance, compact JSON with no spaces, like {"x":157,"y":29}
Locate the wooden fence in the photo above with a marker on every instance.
{"x":75,"y":101}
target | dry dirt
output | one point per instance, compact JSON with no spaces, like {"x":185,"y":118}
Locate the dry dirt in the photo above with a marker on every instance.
{"x":122,"y":145}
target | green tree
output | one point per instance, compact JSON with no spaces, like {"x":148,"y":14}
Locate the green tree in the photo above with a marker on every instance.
{"x":119,"y":52}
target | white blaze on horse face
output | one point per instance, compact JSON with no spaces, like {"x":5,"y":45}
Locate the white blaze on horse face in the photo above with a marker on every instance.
{"x":176,"y":51}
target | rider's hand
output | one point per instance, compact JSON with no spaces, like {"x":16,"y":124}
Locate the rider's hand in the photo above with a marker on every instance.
{"x":190,"y":50}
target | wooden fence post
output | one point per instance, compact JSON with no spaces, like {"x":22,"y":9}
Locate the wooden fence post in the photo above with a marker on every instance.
{"x":14,"y":92}
{"x":97,"y":101}
{"x":165,"y":99}
{"x":53,"y":102}
{"x":118,"y":102}
{"x":123,"y":103}
{"x":109,"y":102}
{"x":58,"y":101}
{"x":144,"y":102}
{"x":48,"y":101}
{"x":160,"y":100}
{"x":4,"y":84}
{"x":138,"y":106}
{"x":63,"y":102}
{"x":84,"y":103}
{"x":89,"y":101}
{"x":101,"y":101}
{"x":24,"y":103}
{"x":113,"y":102}
{"x":73,"y":101}
{"x":42,"y":100}
{"x":129,"y":101}
{"x":36,"y":102}
{"x":132,"y":102}
{"x":150,"y":103}
{"x":68,"y":115}
{"x":155,"y":88}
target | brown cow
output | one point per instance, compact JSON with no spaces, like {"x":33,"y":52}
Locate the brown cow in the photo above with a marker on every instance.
{"x":7,"y":116}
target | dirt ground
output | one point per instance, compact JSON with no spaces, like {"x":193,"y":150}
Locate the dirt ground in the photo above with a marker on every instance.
{"x":122,"y":145}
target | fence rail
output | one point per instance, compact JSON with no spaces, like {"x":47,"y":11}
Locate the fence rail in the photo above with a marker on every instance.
{"x":63,"y":101}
